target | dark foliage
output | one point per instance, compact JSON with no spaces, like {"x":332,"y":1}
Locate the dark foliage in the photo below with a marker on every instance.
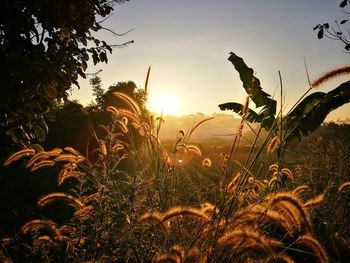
{"x":44,"y":48}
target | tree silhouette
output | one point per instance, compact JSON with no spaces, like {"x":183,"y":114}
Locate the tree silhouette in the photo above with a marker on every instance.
{"x":337,"y":31}
{"x":44,"y":48}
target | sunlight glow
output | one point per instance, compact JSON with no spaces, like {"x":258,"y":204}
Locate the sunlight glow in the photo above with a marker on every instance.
{"x":166,"y":103}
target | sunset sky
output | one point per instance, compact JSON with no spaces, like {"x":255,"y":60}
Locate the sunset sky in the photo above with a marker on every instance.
{"x":187,"y":43}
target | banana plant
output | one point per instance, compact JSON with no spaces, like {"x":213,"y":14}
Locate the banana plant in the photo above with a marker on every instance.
{"x":306,"y":115}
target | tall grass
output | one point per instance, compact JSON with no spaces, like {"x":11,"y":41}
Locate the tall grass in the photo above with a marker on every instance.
{"x":175,"y":204}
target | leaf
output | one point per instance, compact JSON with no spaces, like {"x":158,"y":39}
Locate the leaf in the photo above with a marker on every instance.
{"x":250,"y":83}
{"x":252,"y":116}
{"x":320,"y":33}
{"x":343,"y":3}
{"x":95,"y":57}
{"x":261,"y":117}
{"x":39,"y":133}
{"x":43,"y":125}
{"x":312,"y":111}
{"x":37,"y":147}
{"x":50,"y":91}
{"x":84,"y":65}
{"x":253,"y":88}
{"x":103,"y":57}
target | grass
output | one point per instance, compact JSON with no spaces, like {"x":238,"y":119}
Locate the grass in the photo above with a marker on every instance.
{"x":181,"y":201}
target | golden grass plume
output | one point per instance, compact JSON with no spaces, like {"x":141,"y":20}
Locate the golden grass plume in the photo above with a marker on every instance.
{"x":343,"y":186}
{"x":301,"y":189}
{"x":273,"y":145}
{"x":244,"y":240}
{"x":206,"y":162}
{"x":312,"y":244}
{"x":19,"y":155}
{"x":64,"y":175}
{"x":315,"y":201}
{"x":345,"y":70}
{"x":292,"y":206}
{"x":39,"y":224}
{"x":129,"y":101}
{"x":41,"y":164}
{"x":48,"y":199}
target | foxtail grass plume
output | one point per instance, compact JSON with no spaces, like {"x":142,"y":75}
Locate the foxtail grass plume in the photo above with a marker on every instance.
{"x":193,"y":149}
{"x":39,"y":224}
{"x":130,"y":116}
{"x":181,"y":134}
{"x":178,"y":252}
{"x":67,"y":157}
{"x":206,"y":162}
{"x":246,"y":106}
{"x":18,"y":155}
{"x":244,"y":240}
{"x":233,"y":184}
{"x":113,"y":110}
{"x":317,"y":200}
{"x":84,"y":213}
{"x":343,"y":239}
{"x":37,"y":157}
{"x":293,"y":207}
{"x":274,"y":145}
{"x":183,"y":211}
{"x":129,"y":101}
{"x":287,"y":173}
{"x":92,"y":197}
{"x":47,"y":199}
{"x":103,"y":147}
{"x":301,"y":189}
{"x":64,"y":175}
{"x":157,"y":219}
{"x":343,"y":186}
{"x":316,"y":248}
{"x":41,"y":164}
{"x":262,"y":215}
{"x":199,"y":124}
{"x":71,"y":150}
{"x":330,"y":75}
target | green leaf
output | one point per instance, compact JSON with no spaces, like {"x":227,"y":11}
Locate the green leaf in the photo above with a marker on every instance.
{"x":320,"y":33}
{"x":39,"y":133}
{"x":310,"y":113}
{"x":252,"y":116}
{"x":253,"y":88}
{"x":250,"y":83}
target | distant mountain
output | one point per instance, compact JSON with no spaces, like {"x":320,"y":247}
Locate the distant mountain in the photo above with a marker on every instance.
{"x":223,"y":126}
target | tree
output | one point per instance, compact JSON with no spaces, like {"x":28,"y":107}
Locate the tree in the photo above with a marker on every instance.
{"x":129,"y":88}
{"x":97,"y":91}
{"x":44,"y":48}
{"x":337,"y":30}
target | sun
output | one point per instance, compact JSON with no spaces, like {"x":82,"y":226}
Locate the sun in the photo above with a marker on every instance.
{"x":166,"y":103}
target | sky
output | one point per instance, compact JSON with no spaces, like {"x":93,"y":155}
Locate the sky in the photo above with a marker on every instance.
{"x":187,"y":43}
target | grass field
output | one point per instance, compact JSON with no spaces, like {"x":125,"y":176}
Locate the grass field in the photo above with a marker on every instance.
{"x":215,"y":200}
